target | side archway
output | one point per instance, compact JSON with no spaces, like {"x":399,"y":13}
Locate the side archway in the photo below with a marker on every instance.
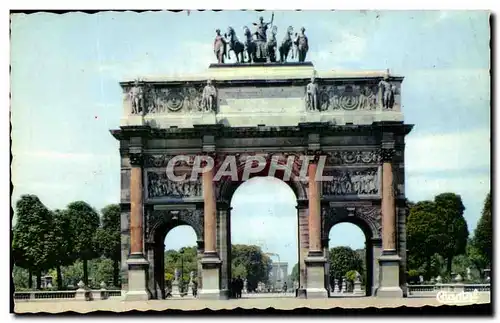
{"x":159,"y":223}
{"x":366,"y":217}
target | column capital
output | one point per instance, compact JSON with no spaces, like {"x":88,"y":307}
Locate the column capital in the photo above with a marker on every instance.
{"x":387,"y":154}
{"x":136,"y":159}
{"x":210,"y":154}
{"x":316,"y":153}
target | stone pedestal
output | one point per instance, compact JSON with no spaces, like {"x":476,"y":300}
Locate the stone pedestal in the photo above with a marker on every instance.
{"x":137,"y":273}
{"x":211,"y":276}
{"x":315,"y":266}
{"x":389,"y":276}
{"x":357,"y":288}
{"x":176,"y":293}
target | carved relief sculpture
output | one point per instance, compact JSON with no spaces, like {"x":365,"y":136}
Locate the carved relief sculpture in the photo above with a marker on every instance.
{"x":365,"y":182}
{"x":160,"y":186}
{"x":312,"y":95}
{"x":354,"y":157}
{"x":386,"y":93}
{"x":209,"y":97}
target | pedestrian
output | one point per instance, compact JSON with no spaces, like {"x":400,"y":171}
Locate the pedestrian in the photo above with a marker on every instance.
{"x":284,"y":288}
{"x":239,"y":287}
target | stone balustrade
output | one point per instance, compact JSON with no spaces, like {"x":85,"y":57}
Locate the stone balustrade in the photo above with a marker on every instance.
{"x":65,"y":295}
{"x":432,"y":290}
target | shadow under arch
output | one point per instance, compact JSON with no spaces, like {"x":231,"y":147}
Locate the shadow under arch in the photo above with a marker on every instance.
{"x":367,"y":219}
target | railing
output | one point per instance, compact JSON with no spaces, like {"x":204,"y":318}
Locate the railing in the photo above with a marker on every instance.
{"x":87,"y":295}
{"x":432,"y":290}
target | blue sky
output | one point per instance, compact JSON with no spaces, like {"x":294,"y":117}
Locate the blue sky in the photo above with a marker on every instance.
{"x":65,"y":98}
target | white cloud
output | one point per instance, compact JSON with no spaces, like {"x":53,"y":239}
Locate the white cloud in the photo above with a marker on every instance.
{"x":448,"y":152}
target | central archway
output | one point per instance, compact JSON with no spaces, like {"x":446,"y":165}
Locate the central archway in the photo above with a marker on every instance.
{"x":264,"y":215}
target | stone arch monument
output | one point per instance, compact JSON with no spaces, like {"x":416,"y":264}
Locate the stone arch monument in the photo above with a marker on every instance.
{"x":344,"y":121}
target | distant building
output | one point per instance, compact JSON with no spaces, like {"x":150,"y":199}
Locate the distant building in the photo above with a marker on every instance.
{"x":278,"y":274}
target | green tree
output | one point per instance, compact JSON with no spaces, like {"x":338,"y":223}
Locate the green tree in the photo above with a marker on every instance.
{"x":342,"y":260}
{"x":185,"y":260}
{"x":62,"y":241}
{"x":108,"y":237}
{"x":483,"y":234}
{"x":295,"y":273}
{"x":423,"y":231}
{"x":85,"y":222}
{"x":31,"y":236}
{"x":256,"y":263}
{"x":450,"y":211}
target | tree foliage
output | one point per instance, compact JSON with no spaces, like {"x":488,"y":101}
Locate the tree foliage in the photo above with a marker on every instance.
{"x":450,"y":210}
{"x":185,"y":260}
{"x":108,"y":237}
{"x":85,"y":222}
{"x":436,"y":227}
{"x":295,"y":273}
{"x":342,"y":260}
{"x":482,"y":241}
{"x":256,"y":263}
{"x":31,"y":237}
{"x":62,"y":241}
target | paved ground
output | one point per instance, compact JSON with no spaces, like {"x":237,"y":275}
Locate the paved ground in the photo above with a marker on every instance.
{"x":116,"y":305}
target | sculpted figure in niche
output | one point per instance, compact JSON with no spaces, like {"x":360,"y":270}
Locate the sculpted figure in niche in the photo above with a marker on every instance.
{"x":137,"y":98}
{"x":312,"y":95}
{"x":209,"y":97}
{"x":386,"y":93}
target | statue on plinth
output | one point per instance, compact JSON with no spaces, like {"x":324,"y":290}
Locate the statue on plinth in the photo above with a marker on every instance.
{"x":386,"y":93}
{"x":209,"y":97}
{"x":219,"y":47}
{"x":302,"y":44}
{"x":137,"y":98}
{"x":312,"y":95}
{"x":261,"y":38}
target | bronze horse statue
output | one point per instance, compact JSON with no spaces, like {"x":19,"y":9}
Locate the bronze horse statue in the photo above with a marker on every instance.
{"x":286,"y":45}
{"x":271,"y":45}
{"x":234,"y":45}
{"x":250,"y":48}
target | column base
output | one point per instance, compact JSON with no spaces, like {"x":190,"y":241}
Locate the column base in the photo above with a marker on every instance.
{"x":315,"y":272}
{"x":210,"y":273}
{"x":301,"y":293}
{"x":389,"y":275}
{"x":137,"y":274}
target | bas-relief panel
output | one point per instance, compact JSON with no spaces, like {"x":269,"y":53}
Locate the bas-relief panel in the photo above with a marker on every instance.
{"x":352,"y":182}
{"x":159,"y":186}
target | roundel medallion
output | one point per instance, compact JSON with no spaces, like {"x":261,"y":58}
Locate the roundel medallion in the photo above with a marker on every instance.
{"x":174,"y":101}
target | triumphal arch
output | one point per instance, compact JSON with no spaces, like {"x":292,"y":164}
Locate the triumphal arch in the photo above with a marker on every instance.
{"x":348,"y":125}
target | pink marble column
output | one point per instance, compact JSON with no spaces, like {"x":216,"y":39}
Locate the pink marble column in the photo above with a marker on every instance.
{"x":210,"y":220}
{"x":314,"y":208}
{"x":136,"y":205}
{"x":388,"y":205}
